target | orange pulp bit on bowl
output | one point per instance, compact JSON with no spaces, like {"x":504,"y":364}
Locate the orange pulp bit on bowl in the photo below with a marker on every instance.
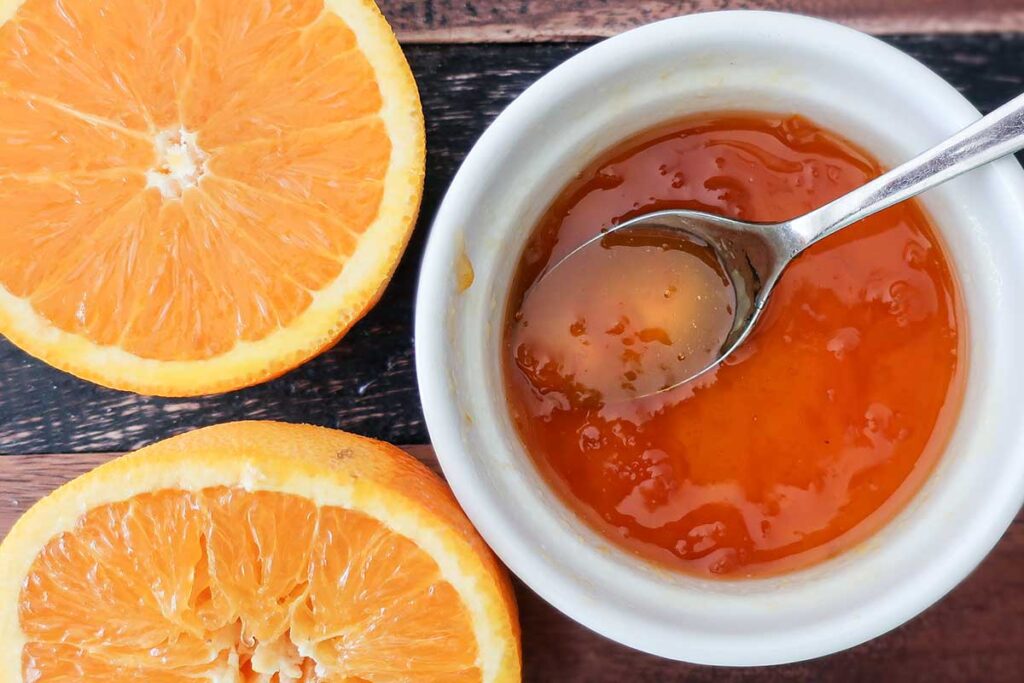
{"x":255,"y":551}
{"x":198,"y":196}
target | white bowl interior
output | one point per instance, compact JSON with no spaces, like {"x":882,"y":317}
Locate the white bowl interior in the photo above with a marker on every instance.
{"x":878,"y":98}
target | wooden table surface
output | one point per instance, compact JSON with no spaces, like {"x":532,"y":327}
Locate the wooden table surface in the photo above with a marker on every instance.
{"x":471,"y":58}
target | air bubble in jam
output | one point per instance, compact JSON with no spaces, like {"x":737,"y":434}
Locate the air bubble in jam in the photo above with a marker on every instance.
{"x":812,"y":434}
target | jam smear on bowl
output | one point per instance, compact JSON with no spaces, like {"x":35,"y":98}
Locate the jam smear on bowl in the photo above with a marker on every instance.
{"x":813,"y":434}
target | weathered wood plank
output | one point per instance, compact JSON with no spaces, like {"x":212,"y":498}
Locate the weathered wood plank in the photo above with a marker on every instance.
{"x":974,"y":634}
{"x":24,"y":479}
{"x":477,"y":21}
{"x":367,"y":383}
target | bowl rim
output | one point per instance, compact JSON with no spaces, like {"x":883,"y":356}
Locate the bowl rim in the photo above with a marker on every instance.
{"x":444,"y":418}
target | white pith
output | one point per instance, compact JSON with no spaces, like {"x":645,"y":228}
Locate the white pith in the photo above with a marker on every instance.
{"x":180,"y":162}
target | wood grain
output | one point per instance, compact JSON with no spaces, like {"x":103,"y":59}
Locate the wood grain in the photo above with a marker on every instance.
{"x":24,"y":479}
{"x":468,"y":21}
{"x":367,"y":383}
{"x":976,"y":633}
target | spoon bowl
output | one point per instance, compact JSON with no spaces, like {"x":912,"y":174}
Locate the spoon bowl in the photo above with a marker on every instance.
{"x":751,"y":255}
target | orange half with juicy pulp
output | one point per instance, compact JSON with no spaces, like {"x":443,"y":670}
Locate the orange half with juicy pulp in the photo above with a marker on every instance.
{"x":198,"y":195}
{"x":254,"y":552}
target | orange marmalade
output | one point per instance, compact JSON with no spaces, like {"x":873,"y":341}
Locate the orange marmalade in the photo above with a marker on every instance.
{"x":806,"y":440}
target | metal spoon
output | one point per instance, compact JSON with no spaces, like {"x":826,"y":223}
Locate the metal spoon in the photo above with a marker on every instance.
{"x":754,"y":255}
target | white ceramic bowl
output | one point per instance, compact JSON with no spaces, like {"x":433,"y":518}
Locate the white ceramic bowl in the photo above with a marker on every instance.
{"x":870,"y":93}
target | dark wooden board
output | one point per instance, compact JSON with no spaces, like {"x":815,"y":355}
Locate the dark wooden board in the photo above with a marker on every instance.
{"x":462,"y":21}
{"x":974,"y":634}
{"x":367,"y":383}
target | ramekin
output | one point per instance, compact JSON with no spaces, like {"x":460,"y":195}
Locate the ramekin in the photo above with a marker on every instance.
{"x":872,"y":94}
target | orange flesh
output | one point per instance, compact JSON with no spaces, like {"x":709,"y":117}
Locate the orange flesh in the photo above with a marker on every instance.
{"x":815,"y":432}
{"x":173,"y":585}
{"x":289,"y":156}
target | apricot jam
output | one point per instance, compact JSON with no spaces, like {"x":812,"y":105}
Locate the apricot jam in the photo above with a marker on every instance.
{"x":805,"y":441}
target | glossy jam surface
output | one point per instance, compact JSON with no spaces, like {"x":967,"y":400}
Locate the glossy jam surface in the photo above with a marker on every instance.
{"x":806,"y":440}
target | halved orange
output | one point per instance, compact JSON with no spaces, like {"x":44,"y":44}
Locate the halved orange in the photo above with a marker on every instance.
{"x":198,"y":195}
{"x":254,"y":551}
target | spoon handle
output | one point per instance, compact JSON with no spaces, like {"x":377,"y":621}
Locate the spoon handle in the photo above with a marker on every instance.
{"x":996,"y":135}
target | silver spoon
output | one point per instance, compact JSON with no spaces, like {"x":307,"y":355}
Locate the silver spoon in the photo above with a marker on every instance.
{"x":754,"y":255}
